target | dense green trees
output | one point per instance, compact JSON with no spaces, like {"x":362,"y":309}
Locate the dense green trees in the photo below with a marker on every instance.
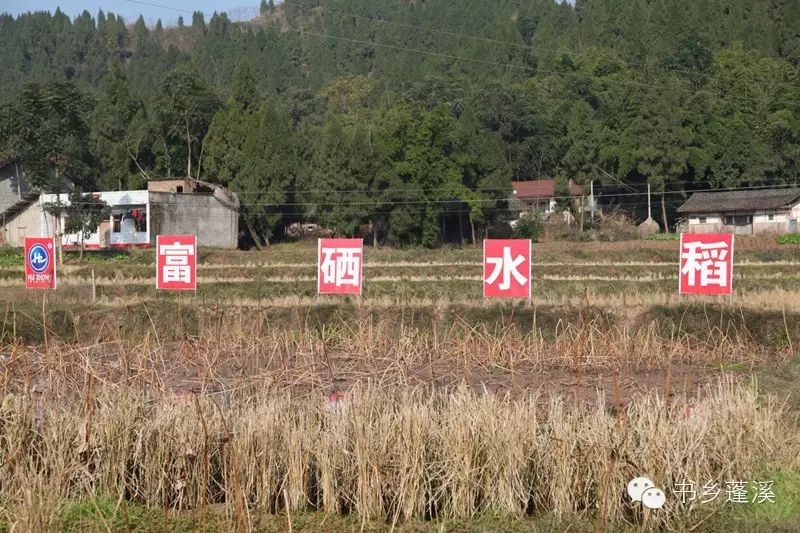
{"x":252,"y":149}
{"x":45,"y":128}
{"x":406,"y":122}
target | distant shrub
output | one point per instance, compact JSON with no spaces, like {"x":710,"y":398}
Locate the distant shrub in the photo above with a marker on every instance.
{"x":501,"y":230}
{"x":529,"y":226}
{"x":789,"y":238}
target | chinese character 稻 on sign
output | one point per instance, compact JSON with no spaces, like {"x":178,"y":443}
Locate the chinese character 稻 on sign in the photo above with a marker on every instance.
{"x":507,"y":268}
{"x":176,"y":262}
{"x":339,"y":266}
{"x":706,"y":264}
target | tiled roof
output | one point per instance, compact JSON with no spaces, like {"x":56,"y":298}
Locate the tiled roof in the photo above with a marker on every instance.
{"x":733,"y":201}
{"x":540,"y":189}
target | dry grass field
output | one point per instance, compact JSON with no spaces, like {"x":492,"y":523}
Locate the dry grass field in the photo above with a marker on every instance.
{"x":254,"y":406}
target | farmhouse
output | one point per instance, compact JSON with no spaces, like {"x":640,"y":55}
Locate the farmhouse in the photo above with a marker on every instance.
{"x":540,"y":195}
{"x":171,"y":206}
{"x":743,"y":212}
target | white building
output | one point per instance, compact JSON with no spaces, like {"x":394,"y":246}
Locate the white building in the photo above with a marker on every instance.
{"x":173,"y":206}
{"x":128,"y":226}
{"x":743,"y":212}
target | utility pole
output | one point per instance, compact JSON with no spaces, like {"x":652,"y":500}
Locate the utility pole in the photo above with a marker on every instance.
{"x":591,"y":198}
{"x":649,"y":209}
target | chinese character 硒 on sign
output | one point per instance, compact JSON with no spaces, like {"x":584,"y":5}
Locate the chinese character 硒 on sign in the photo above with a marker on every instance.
{"x":339,"y":263}
{"x":40,"y":263}
{"x":706,"y":263}
{"x":507,"y":268}
{"x":176,"y":262}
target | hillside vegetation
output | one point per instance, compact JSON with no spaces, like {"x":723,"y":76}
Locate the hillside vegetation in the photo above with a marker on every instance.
{"x":409,"y":120}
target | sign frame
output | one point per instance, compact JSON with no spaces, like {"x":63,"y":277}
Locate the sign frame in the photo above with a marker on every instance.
{"x":352,"y":242}
{"x":729,"y":291}
{"x":48,"y":244}
{"x":193,"y":265}
{"x":529,"y":296}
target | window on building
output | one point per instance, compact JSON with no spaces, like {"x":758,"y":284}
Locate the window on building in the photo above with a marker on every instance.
{"x":738,"y":220}
{"x":702,"y":220}
{"x":770,"y":217}
{"x":179,"y":188}
{"x":116,"y":226}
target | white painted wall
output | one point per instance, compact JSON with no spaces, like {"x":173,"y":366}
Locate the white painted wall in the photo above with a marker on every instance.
{"x":120,"y":202}
{"x":709,"y":219}
{"x":777,"y":216}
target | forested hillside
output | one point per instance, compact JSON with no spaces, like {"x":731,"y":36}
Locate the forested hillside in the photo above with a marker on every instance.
{"x":403,"y":114}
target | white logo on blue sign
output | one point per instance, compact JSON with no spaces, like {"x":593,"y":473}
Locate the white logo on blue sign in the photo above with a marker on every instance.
{"x":38,"y":258}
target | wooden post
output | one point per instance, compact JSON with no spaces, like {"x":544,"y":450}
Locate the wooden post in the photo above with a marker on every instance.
{"x":44,"y":319}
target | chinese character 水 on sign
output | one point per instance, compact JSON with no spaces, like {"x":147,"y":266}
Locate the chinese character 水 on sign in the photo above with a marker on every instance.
{"x":507,"y":268}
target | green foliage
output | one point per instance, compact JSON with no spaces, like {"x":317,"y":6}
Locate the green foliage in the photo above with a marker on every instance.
{"x":254,"y":152}
{"x":84,"y":213}
{"x":408,"y":132}
{"x":185,"y":107}
{"x":529,"y":226}
{"x":663,"y":237}
{"x":46,"y":129}
{"x":789,"y":238}
{"x":119,"y":134}
{"x":101,"y":513}
{"x":11,"y":257}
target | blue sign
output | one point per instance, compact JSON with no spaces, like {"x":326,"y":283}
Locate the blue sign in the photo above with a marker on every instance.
{"x":38,"y":258}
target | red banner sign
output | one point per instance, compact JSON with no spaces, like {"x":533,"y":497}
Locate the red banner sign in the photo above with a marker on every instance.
{"x":706,"y":263}
{"x":339,"y":266}
{"x":176,"y":262}
{"x":507,"y":268}
{"x":40,"y":263}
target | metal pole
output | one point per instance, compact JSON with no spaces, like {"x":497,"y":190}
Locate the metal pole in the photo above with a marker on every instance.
{"x":591,"y":197}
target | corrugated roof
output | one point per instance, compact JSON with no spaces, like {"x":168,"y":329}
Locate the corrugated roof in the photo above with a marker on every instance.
{"x":738,"y":201}
{"x":540,"y":189}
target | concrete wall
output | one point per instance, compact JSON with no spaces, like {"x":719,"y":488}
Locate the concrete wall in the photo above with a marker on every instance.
{"x":28,"y":223}
{"x":215,"y":223}
{"x":186,"y":185}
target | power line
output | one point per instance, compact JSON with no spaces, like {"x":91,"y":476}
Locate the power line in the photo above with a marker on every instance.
{"x":151,"y":4}
{"x":427,"y":28}
{"x":628,"y":185}
{"x":480,"y":200}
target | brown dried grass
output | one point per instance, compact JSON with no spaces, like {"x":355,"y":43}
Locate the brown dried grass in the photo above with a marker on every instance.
{"x":249,"y":431}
